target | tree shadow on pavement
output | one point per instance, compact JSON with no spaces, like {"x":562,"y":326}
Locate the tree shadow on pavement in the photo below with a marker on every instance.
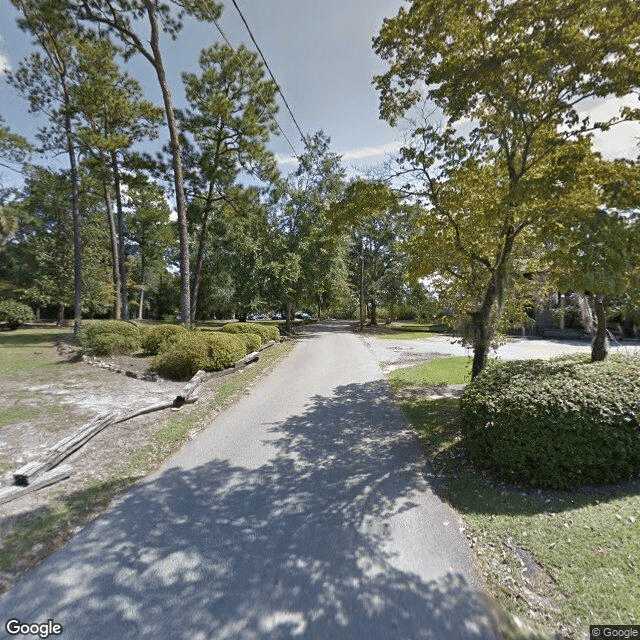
{"x":299,"y":547}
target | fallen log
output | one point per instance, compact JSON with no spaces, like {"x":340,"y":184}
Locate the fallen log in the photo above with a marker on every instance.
{"x":55,"y":475}
{"x":191,"y":386}
{"x":63,"y":448}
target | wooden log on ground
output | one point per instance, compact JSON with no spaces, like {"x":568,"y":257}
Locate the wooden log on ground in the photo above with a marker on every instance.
{"x":50,"y":477}
{"x":254,"y":356}
{"x":63,"y":448}
{"x":267,"y":344}
{"x":191,"y":386}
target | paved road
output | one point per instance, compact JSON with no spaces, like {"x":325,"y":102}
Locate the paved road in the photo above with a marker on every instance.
{"x":301,"y":512}
{"x":393,"y":352}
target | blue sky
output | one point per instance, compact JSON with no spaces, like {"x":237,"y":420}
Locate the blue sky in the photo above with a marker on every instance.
{"x":320,"y":52}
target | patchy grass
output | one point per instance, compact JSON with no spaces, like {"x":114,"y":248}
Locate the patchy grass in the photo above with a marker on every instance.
{"x":46,"y":531}
{"x":562,"y":560}
{"x":18,"y":413}
{"x":435,"y":372}
{"x":29,"y":353}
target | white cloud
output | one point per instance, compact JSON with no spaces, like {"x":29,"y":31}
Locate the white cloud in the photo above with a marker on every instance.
{"x":282,"y":159}
{"x":4,"y":60}
{"x":622,"y":140}
{"x":360,"y":153}
{"x":371,"y":152}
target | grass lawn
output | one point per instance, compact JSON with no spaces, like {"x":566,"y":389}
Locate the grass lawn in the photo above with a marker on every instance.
{"x":408,"y":331}
{"x":563,"y":560}
{"x":439,"y":371}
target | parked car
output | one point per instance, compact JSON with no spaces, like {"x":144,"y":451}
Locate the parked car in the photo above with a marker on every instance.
{"x":302,"y":315}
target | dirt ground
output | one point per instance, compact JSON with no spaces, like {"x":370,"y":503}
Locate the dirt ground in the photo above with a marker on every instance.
{"x":78,"y":390}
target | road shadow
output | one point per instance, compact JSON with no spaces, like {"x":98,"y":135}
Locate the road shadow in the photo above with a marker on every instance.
{"x":298,"y":547}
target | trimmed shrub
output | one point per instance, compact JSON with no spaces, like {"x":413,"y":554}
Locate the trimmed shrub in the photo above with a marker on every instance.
{"x":15,"y":313}
{"x":155,"y":339}
{"x":557,"y":424}
{"x":111,"y":337}
{"x":191,"y":351}
{"x":265,"y":331}
{"x":224,"y":349}
{"x":187,"y":353}
{"x":252,"y":340}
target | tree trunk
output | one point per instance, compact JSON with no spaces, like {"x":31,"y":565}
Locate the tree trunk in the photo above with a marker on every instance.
{"x":75,"y":213}
{"x":115,"y":261}
{"x":289,"y":315}
{"x":374,"y":314}
{"x":599,"y":346}
{"x":197,"y":274}
{"x":142,"y":275}
{"x":362,"y":309}
{"x":124,"y":288}
{"x":61,"y":314}
{"x":174,"y":143}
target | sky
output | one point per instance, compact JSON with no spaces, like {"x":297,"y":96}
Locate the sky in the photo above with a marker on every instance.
{"x":320,"y":52}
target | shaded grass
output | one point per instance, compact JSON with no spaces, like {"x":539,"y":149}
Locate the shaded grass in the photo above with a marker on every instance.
{"x":439,"y":371}
{"x":562,"y":559}
{"x":29,"y":351}
{"x":42,"y":533}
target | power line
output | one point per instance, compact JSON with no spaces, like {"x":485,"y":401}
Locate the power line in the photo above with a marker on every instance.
{"x":224,"y":37}
{"x":266,"y":64}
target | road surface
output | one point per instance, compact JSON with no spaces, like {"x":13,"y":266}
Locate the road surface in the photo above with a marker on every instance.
{"x":303,"y":511}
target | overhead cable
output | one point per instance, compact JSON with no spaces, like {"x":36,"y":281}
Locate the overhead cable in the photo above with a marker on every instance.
{"x":224,"y":37}
{"x":266,"y":64}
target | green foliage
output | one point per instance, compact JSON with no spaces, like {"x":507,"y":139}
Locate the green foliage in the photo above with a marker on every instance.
{"x":110,"y":337}
{"x":252,"y":340}
{"x":439,"y":371}
{"x":155,"y":339}
{"x":182,"y":357}
{"x":265,"y":331}
{"x":224,"y":350}
{"x":191,"y":351}
{"x":15,"y":313}
{"x":557,"y":423}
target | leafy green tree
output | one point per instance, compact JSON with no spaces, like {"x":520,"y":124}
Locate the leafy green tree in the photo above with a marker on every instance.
{"x":230,"y":119}
{"x":599,"y":252}
{"x":113,"y":117}
{"x":514,"y":74}
{"x":46,"y":81}
{"x":378,"y":223}
{"x":307,"y":258}
{"x":14,"y":151}
{"x":149,"y":237}
{"x":122,"y":18}
{"x":39,"y":259}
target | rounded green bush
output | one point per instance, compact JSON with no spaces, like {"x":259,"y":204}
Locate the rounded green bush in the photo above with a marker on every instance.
{"x":252,"y":341}
{"x":156,"y":338}
{"x":111,"y":337}
{"x":187,"y":353}
{"x":191,"y":351}
{"x":557,"y":424}
{"x":265,"y":331}
{"x":224,"y":349}
{"x":15,"y":313}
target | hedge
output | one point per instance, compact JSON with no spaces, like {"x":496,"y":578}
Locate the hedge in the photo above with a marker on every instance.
{"x":110,"y":337}
{"x":265,"y":331}
{"x":191,"y":351}
{"x":558,"y":423}
{"x":155,"y":339}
